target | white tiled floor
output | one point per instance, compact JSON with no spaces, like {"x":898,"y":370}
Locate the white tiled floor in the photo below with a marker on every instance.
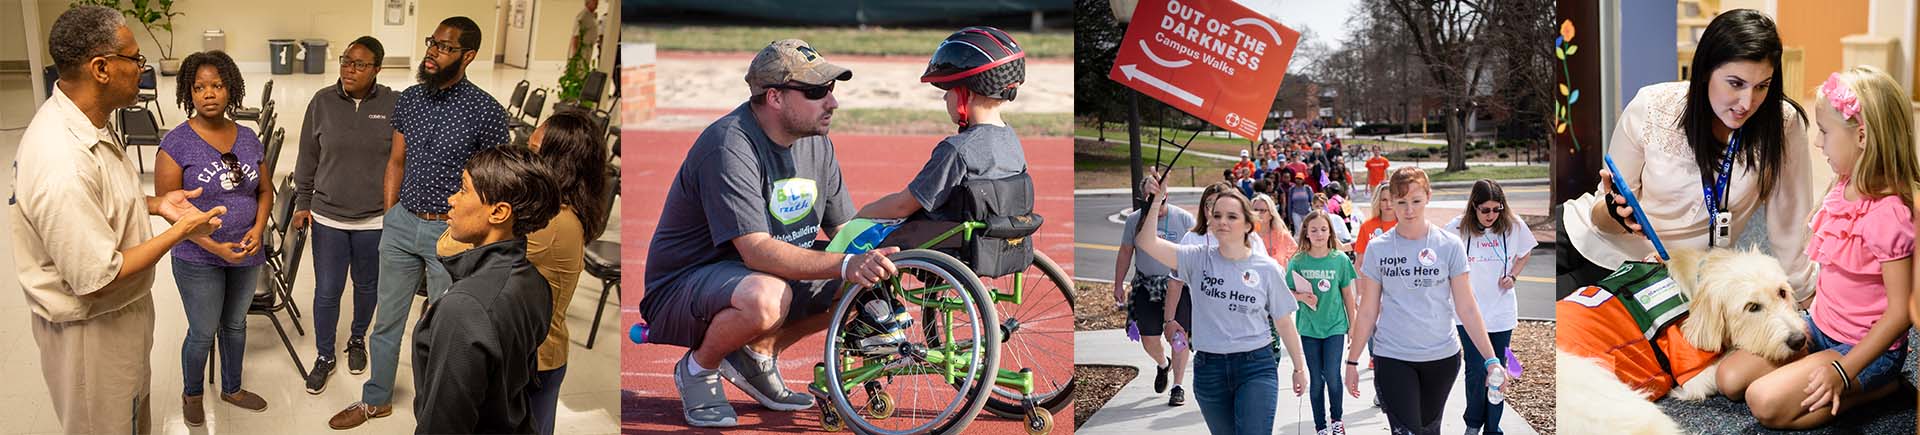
{"x":589,"y":401}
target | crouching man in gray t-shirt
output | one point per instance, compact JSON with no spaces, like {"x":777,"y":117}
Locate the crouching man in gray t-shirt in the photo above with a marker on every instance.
{"x":730,"y":273}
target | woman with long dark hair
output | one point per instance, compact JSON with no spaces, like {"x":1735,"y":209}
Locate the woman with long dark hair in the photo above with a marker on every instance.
{"x":1498,"y":246}
{"x":1728,"y":151}
{"x":570,"y":143}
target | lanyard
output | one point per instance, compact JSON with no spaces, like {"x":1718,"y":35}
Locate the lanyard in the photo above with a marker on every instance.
{"x":1716,"y":194}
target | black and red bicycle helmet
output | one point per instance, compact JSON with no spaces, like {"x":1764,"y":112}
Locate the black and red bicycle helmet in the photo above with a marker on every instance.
{"x":978,"y":60}
{"x":984,"y":60}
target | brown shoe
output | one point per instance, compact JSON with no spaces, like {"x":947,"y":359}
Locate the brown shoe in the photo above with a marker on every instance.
{"x":358,"y":413}
{"x":195,"y":413}
{"x":245,"y":400}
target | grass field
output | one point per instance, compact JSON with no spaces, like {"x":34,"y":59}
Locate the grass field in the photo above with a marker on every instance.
{"x":875,"y":41}
{"x":935,"y":122}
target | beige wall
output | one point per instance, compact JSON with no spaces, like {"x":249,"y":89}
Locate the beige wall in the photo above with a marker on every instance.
{"x":13,"y":40}
{"x":481,"y":11}
{"x":553,"y":28}
{"x":249,"y":24}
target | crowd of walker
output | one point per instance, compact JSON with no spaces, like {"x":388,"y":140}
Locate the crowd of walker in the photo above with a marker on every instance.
{"x":1423,"y":298}
{"x":400,"y":187}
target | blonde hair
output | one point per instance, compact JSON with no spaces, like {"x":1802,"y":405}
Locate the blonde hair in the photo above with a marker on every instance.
{"x":1270,"y":218}
{"x":1380,"y":205}
{"x":1887,"y":166}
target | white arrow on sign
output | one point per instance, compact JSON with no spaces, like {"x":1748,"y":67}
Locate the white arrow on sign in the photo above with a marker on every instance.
{"x":1163,"y":62}
{"x":1132,"y":72}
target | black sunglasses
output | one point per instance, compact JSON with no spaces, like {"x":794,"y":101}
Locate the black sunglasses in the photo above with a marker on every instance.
{"x":1484,"y":210}
{"x":811,"y":92}
{"x":233,"y":167}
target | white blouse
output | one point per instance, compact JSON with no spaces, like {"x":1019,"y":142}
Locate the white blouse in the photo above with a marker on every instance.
{"x":1656,"y":162}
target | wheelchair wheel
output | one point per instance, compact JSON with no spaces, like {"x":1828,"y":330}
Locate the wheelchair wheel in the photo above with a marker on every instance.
{"x":939,"y":377}
{"x":1036,"y":335}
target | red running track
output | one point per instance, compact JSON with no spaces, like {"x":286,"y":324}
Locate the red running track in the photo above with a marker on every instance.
{"x":872,"y":166}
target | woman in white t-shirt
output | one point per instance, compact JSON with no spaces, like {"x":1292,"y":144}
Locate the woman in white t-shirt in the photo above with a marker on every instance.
{"x":1498,"y":246}
{"x":1413,"y":283}
{"x":1237,"y":292}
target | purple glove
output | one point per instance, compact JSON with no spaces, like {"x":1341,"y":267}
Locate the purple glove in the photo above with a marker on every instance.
{"x":1133,"y":331}
{"x":1513,"y":365}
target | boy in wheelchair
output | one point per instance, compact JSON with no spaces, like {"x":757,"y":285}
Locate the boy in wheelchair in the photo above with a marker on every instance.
{"x":977,"y":176}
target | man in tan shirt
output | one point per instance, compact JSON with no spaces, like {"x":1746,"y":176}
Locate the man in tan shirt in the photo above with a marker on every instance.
{"x":586,"y":31}
{"x":83,"y":250}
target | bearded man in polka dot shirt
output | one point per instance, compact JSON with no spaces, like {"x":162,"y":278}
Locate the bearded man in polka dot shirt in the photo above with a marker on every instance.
{"x":437,"y":124}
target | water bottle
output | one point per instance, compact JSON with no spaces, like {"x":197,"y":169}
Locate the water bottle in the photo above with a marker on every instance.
{"x":638,"y":333}
{"x":1179,"y":341}
{"x":1496,"y":379}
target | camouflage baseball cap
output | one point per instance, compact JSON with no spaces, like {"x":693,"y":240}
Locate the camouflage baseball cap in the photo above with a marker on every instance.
{"x":791,"y":60}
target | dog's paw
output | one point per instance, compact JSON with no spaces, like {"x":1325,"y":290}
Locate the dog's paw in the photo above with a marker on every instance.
{"x":1702,"y":386}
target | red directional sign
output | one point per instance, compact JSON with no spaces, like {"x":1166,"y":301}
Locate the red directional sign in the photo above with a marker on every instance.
{"x":1214,"y":59}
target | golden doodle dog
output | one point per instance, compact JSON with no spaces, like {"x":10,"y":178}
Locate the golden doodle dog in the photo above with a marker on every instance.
{"x":1652,"y":330}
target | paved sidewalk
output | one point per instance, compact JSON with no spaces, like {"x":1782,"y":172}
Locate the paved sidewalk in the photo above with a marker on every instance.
{"x":1136,"y":409}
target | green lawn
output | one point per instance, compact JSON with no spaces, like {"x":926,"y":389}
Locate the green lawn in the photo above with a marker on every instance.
{"x":936,"y":122}
{"x":832,"y":40}
{"x":1492,"y":172}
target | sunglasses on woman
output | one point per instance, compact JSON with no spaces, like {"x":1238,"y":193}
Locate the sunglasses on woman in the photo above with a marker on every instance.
{"x":1486,"y":210}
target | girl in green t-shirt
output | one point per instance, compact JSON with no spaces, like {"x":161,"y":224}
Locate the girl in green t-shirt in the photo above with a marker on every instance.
{"x":1322,"y":280}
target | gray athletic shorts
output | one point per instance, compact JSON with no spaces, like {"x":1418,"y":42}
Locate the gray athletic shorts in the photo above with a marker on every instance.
{"x":679,"y":308}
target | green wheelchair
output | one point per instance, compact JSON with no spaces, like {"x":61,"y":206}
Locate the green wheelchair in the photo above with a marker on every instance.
{"x":1003,"y":344}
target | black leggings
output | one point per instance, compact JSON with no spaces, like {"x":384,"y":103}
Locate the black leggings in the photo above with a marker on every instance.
{"x":1415,"y":393}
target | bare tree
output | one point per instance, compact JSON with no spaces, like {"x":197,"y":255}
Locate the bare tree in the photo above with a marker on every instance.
{"x":1453,"y":39}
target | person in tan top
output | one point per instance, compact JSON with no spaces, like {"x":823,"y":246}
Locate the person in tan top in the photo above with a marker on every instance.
{"x":1673,"y":140}
{"x":83,"y":250}
{"x":569,"y":143}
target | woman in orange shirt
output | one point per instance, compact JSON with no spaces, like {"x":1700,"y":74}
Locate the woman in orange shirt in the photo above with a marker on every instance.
{"x":1381,"y":222}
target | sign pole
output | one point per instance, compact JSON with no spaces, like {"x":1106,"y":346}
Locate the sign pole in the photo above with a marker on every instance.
{"x":1133,"y":147}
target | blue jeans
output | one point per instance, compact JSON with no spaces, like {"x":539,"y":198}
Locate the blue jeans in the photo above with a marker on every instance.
{"x":545,"y":395}
{"x":216,"y":298}
{"x":1238,"y":391}
{"x":406,"y":253}
{"x":1882,"y":371}
{"x":1480,"y":413}
{"x":335,"y":253}
{"x":1323,"y":369}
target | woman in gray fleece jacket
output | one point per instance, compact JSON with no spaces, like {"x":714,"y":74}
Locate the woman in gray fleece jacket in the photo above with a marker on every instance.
{"x":343,"y":154}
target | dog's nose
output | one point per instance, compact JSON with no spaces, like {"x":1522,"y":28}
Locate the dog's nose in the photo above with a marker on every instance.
{"x":1797,"y":341}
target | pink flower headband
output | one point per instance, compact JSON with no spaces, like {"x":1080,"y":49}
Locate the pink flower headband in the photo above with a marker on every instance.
{"x":1841,"y":96}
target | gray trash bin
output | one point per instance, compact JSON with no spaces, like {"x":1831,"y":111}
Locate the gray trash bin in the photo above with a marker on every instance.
{"x":316,"y":54}
{"x":280,"y":55}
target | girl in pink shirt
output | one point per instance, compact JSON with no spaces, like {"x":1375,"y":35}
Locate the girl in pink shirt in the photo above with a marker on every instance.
{"x":1862,"y":238}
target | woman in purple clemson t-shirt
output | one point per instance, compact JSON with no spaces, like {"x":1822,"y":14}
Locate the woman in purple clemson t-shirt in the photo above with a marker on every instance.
{"x":216,"y":274}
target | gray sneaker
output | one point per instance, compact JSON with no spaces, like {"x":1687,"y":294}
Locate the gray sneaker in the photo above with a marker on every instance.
{"x":702,"y":397}
{"x":761,"y":379}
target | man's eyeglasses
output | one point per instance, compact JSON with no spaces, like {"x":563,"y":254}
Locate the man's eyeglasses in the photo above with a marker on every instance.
{"x":233,"y":168}
{"x":448,"y":47}
{"x":811,"y":92}
{"x":1486,"y":210}
{"x":349,"y":63}
{"x":137,"y":60}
